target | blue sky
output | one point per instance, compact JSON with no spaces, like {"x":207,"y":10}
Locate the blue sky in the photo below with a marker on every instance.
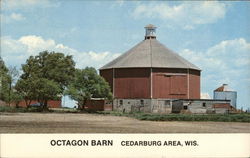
{"x":213,"y":35}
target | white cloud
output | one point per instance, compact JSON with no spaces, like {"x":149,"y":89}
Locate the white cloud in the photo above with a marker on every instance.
{"x":230,"y":47}
{"x":19,"y":6}
{"x":13,"y":47}
{"x":36,"y":43}
{"x":222,"y":56}
{"x":27,"y":4}
{"x":16,"y":51}
{"x":205,"y":96}
{"x":187,"y":15}
{"x":12,"y":17}
{"x":17,"y":17}
{"x":120,"y":2}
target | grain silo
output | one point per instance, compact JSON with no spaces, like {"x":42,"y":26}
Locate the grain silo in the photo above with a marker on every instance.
{"x":150,"y":73}
{"x":224,"y":92}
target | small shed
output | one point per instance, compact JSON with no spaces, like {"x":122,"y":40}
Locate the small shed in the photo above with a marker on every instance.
{"x":201,"y":106}
{"x":98,"y":104}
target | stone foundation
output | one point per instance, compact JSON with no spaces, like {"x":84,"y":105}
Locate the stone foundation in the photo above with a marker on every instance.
{"x":167,"y":106}
{"x":142,"y":105}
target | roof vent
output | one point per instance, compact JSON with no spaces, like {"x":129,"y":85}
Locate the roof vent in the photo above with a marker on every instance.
{"x":150,"y":31}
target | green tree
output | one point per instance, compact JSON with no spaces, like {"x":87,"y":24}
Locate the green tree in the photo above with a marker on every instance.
{"x":12,"y":96}
{"x":8,"y":79}
{"x":3,"y":68}
{"x":50,"y":65}
{"x":88,"y":84}
{"x":39,"y":89}
{"x":26,"y":88}
{"x":45,"y":76}
{"x":4,"y":77}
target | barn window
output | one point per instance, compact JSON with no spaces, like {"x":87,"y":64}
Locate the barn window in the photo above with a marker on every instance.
{"x":185,"y":107}
{"x":142,"y":102}
{"x":167,"y":102}
{"x":204,"y":105}
{"x":121,"y":102}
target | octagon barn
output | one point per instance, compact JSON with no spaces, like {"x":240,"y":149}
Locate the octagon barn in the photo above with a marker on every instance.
{"x":149,"y":76}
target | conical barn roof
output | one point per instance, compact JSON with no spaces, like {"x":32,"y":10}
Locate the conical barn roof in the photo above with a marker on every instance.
{"x":150,"y":53}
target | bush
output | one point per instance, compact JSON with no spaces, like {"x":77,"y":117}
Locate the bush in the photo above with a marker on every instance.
{"x":12,"y":109}
{"x":193,"y":117}
{"x":6,"y":109}
{"x":21,"y":109}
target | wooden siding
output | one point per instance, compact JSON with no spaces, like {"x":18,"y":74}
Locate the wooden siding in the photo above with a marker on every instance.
{"x":178,"y":85}
{"x":194,"y":84}
{"x":132,"y":83}
{"x":161,"y":85}
{"x":166,"y":83}
{"x":95,"y":105}
{"x":173,"y":83}
{"x":107,"y":74}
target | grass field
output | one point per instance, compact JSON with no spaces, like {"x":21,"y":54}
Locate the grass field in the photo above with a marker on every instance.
{"x":244,"y":117}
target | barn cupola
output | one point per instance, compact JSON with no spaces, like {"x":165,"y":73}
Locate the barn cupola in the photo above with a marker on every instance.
{"x":150,"y":32}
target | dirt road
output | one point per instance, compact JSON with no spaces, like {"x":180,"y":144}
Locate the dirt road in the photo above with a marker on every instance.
{"x":93,"y":123}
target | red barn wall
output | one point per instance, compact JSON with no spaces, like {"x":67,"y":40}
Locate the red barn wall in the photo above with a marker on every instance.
{"x":135,"y":83}
{"x":132,"y":83}
{"x":173,"y":83}
{"x":178,"y":85}
{"x":107,"y":74}
{"x":166,"y":85}
{"x":194,"y":84}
